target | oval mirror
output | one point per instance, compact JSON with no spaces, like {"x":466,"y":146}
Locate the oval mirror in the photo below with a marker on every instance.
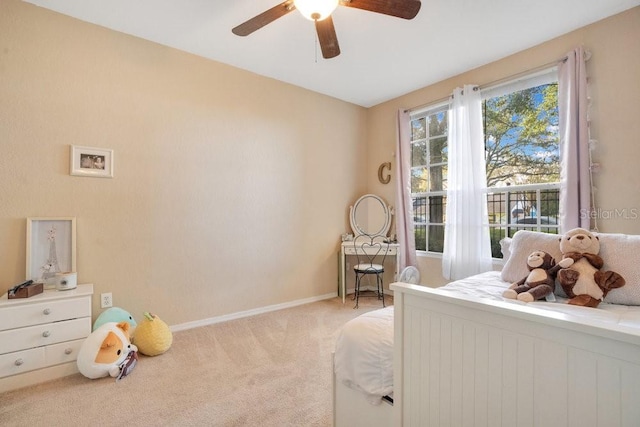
{"x":370,"y":215}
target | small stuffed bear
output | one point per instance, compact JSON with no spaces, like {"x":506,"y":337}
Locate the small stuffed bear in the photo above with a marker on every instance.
{"x":541,"y":279}
{"x":583,"y":282}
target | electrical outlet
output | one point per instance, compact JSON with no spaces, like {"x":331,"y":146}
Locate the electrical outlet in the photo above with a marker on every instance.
{"x":106,"y":300}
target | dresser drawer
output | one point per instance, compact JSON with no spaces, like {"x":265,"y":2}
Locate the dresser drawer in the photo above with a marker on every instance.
{"x":390,"y":251}
{"x":63,"y":352}
{"x":21,"y":361}
{"x":44,"y":312}
{"x":41,"y":335}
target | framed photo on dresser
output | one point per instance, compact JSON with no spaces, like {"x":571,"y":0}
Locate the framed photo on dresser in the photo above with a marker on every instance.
{"x":51,"y":247}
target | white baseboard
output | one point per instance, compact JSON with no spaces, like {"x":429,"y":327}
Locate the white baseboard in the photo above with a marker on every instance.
{"x":253,"y":312}
{"x":370,"y":288}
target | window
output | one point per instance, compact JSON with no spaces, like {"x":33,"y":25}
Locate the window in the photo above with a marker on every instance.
{"x":522,"y":161}
{"x":429,"y":177}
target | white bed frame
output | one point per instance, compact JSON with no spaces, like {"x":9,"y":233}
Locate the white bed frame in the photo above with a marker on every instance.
{"x":461,"y":361}
{"x":464,"y":361}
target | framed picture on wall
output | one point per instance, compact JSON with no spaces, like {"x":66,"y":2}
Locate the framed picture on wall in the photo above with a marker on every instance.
{"x":89,"y":161}
{"x":51,"y":247}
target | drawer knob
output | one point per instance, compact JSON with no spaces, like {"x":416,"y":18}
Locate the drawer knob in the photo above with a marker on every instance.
{"x":68,"y":350}
{"x":19,"y":362}
{"x":47,"y":311}
{"x":46,"y":334}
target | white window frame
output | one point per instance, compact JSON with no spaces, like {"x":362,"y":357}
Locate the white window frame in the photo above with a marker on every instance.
{"x":522,"y":82}
{"x":435,"y":108}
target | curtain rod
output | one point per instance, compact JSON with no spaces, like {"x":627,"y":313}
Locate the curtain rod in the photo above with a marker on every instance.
{"x":496,"y":82}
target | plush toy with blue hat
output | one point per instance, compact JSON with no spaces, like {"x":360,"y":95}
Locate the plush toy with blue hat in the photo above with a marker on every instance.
{"x":117,"y":315}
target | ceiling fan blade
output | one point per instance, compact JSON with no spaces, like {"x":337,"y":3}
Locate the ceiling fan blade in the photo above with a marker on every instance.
{"x":264,"y":18}
{"x":406,"y":9}
{"x":327,"y":38}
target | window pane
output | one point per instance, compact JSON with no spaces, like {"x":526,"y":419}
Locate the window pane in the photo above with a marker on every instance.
{"x":419,"y":222}
{"x":438,"y":124}
{"x":436,"y":238}
{"x":418,"y":129}
{"x":437,"y":209}
{"x":497,"y":234}
{"x":550,"y":205}
{"x":496,"y":208}
{"x":511,"y":210}
{"x":419,"y":153}
{"x":521,"y":137}
{"x":438,"y":150}
{"x":421,"y":233}
{"x":420,"y":210}
{"x":419,"y":179}
{"x":438,"y":176}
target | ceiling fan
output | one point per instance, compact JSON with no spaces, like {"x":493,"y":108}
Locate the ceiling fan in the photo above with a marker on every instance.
{"x":320,"y":11}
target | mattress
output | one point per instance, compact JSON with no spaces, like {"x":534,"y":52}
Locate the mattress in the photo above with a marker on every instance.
{"x":364,"y":348}
{"x":489,"y":285}
{"x":363,"y":357}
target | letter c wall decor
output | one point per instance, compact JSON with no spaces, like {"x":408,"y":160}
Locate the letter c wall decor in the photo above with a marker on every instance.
{"x":384,"y":179}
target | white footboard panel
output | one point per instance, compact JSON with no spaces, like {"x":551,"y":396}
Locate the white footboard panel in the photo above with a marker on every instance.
{"x":465,"y":362}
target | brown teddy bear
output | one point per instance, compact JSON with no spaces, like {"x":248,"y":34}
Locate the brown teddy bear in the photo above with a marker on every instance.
{"x":583,"y":282}
{"x":541,"y":279}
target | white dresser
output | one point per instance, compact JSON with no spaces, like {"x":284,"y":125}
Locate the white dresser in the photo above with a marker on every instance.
{"x":40,"y":336}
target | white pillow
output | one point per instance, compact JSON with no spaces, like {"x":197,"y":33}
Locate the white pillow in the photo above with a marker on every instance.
{"x":505,"y":248}
{"x":522,"y":244}
{"x":620,"y":254}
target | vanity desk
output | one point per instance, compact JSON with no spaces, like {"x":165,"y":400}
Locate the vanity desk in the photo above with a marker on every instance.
{"x":347,"y":248}
{"x":369,"y":215}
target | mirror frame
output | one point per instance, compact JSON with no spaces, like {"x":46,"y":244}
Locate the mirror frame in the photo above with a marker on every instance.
{"x":357,"y":230}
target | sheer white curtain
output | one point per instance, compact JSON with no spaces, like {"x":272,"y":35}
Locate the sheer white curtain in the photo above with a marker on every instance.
{"x":404,"y":209}
{"x":575,"y":175}
{"x":467,"y":247}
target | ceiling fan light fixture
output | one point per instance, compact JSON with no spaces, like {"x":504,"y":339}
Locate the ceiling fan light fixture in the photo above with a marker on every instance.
{"x":316,"y":10}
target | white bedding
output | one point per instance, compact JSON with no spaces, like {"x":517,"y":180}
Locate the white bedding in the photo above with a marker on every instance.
{"x":489,"y":285}
{"x":364,"y":354}
{"x":364,"y":348}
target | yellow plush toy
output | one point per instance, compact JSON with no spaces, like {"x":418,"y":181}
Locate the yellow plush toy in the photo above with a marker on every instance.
{"x":153,"y":336}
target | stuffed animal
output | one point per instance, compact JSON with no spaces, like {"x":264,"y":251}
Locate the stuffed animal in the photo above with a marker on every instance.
{"x":153,"y":336}
{"x":116,"y":314}
{"x":107,"y":351}
{"x":583,"y":282}
{"x":540,"y":281}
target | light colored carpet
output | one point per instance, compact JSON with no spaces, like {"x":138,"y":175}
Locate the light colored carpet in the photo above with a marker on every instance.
{"x":272,"y":369}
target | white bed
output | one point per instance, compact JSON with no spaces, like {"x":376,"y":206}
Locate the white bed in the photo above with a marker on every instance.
{"x":464,"y":356}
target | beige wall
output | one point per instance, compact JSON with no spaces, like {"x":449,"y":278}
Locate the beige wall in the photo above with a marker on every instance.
{"x":231,"y":189}
{"x":230,"y":192}
{"x":613,"y":70}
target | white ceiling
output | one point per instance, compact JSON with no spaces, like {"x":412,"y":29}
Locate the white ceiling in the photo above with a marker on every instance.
{"x":382,"y":57}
